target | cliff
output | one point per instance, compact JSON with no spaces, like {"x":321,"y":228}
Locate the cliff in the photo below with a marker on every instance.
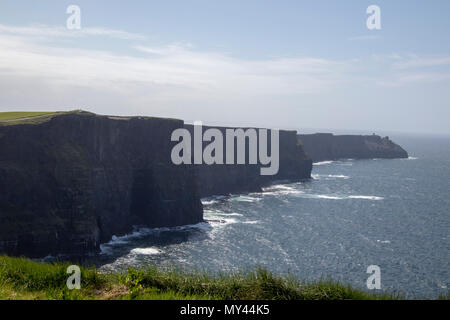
{"x":218,"y":179}
{"x":326,"y":146}
{"x":71,"y":181}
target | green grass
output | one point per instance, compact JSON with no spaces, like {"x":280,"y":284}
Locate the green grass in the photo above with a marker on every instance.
{"x":21,"y":278}
{"x":258,"y":284}
{"x":20,"y":115}
{"x":25,"y":117}
{"x":17,"y":118}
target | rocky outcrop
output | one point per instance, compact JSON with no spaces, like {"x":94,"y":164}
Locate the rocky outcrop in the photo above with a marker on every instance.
{"x":326,"y":146}
{"x":69,"y":183}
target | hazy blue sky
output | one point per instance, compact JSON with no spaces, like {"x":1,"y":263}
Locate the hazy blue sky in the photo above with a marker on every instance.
{"x":286,"y":64}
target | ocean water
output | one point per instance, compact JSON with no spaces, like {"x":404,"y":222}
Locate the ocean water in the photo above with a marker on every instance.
{"x":352,"y":214}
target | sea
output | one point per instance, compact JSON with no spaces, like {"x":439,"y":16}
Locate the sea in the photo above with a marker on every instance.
{"x":352,"y":214}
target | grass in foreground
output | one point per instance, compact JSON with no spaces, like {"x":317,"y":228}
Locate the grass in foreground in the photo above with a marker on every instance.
{"x":21,"y":278}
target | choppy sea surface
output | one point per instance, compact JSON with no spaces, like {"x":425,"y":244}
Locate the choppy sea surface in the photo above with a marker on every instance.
{"x":352,"y":214}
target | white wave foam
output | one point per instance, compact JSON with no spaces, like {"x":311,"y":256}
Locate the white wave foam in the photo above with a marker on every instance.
{"x":217,"y":213}
{"x":327,"y":176}
{"x":283,"y":192}
{"x":338,"y":197}
{"x":344,"y":163}
{"x":245,"y":199}
{"x":366,"y":197}
{"x":207,"y":202}
{"x":383,"y":241}
{"x":220,"y":221}
{"x":213,"y":199}
{"x":321,"y":163}
{"x":323,"y":196}
{"x":280,"y":189}
{"x":251,"y":222}
{"x":232,"y":214}
{"x":146,"y":251}
{"x":141,"y":232}
{"x":338,"y":176}
{"x":119,"y":240}
{"x":218,"y":218}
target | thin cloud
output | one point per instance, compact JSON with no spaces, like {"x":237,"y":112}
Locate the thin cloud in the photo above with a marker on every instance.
{"x":422,"y":62}
{"x":180,"y":80}
{"x":171,"y":65}
{"x":411,"y":60}
{"x":399,"y":80}
{"x":45,"y":31}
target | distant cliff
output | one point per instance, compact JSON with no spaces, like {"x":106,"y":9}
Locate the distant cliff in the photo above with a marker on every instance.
{"x":70,"y":182}
{"x":326,"y":146}
{"x":218,"y":179}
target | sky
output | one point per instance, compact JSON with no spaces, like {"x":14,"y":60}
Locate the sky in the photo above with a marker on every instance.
{"x":278,"y":64}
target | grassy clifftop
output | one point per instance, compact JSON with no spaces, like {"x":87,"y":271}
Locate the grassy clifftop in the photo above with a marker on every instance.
{"x":26,"y":117}
{"x":9,"y":116}
{"x":37,"y":117}
{"x":25,"y":279}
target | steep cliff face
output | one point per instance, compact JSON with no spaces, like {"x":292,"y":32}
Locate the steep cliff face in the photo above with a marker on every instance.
{"x":216,"y":179}
{"x":70,"y":182}
{"x":326,"y":146}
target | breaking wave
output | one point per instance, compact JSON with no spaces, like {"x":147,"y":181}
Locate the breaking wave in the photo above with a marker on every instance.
{"x":366,"y":197}
{"x":280,"y":189}
{"x":329,"y":176}
{"x":146,"y":251}
{"x":321,"y":163}
{"x":106,"y":248}
{"x":245,"y":198}
{"x":339,"y":197}
{"x":213,"y":199}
